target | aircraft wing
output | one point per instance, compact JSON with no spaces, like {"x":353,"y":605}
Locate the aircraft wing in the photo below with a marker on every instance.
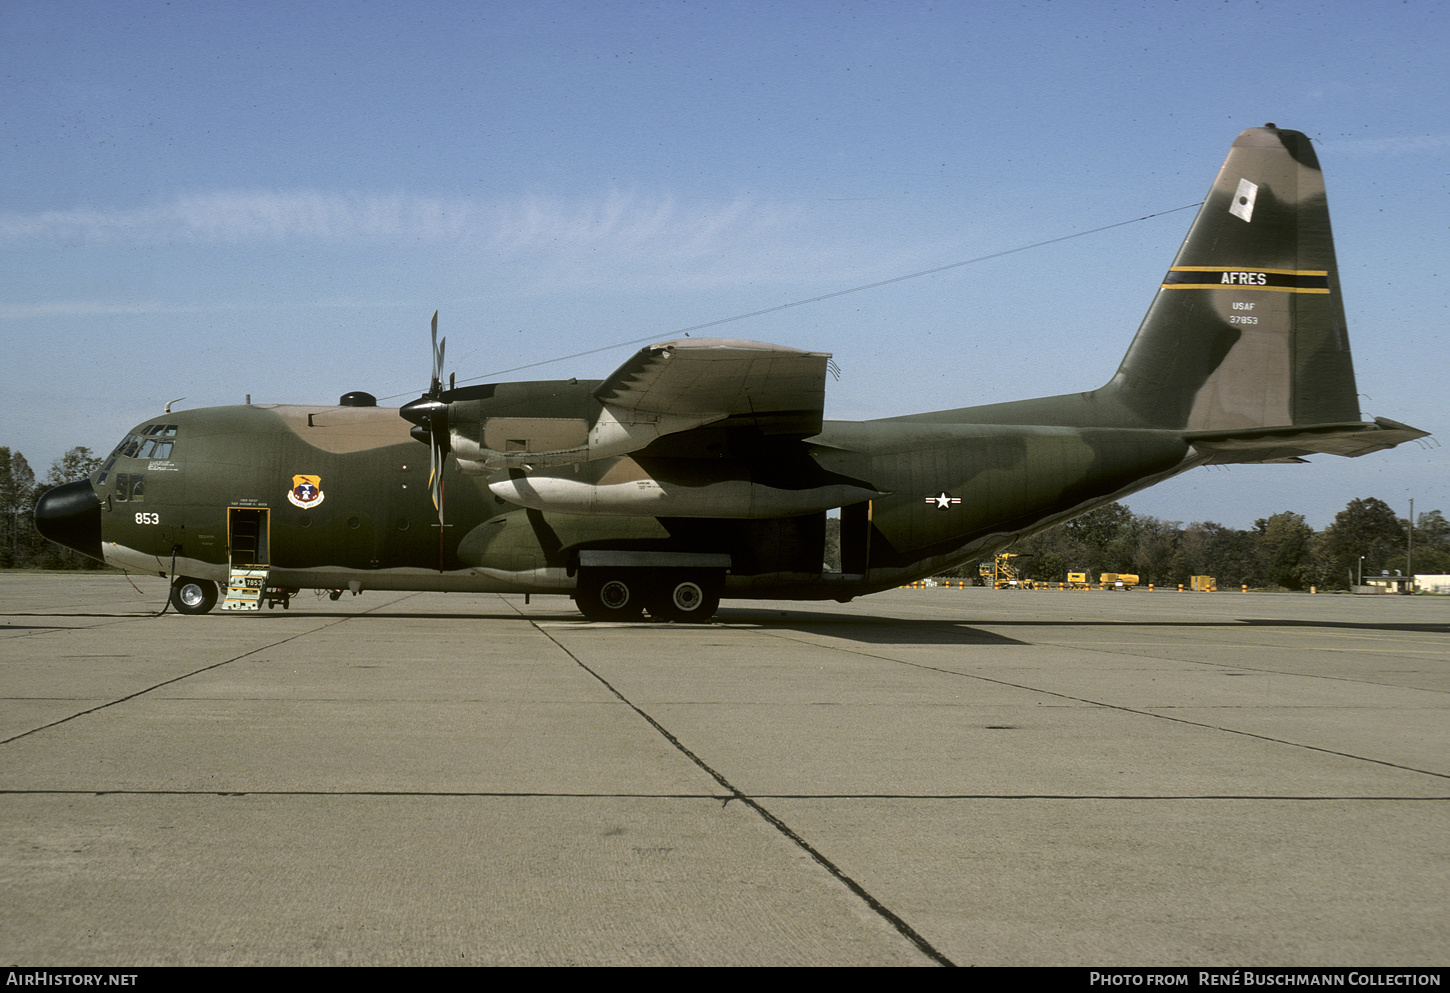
{"x":665,"y":389}
{"x":715,"y":378}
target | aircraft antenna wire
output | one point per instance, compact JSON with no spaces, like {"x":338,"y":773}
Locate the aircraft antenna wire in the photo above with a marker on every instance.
{"x":824,"y":296}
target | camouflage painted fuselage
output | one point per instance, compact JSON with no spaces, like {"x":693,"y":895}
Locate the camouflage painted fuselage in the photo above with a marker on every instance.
{"x":949,"y":492}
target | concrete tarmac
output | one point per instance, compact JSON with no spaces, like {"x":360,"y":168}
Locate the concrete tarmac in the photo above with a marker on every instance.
{"x":921,"y":777}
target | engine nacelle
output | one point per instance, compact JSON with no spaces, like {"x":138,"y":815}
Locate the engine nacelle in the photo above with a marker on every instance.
{"x":681,"y":488}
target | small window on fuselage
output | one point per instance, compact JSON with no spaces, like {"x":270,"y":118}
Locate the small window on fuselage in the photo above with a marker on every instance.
{"x":130,"y":486}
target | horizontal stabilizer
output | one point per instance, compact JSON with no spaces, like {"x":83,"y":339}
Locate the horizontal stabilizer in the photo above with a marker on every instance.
{"x":1291,"y":443}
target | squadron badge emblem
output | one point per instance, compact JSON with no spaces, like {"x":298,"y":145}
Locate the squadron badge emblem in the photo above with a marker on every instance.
{"x":306,"y":491}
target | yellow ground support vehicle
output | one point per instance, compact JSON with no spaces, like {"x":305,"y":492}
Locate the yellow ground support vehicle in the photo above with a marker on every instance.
{"x":1004,"y":574}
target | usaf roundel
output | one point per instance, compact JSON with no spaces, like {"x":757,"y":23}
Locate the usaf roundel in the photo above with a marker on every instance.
{"x":306,"y":491}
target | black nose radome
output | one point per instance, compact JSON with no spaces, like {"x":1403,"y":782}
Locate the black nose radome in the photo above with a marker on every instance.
{"x":70,"y":515}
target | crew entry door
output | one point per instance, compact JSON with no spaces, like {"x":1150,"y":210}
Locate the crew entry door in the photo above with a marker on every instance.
{"x":248,"y":554}
{"x":248,"y":536}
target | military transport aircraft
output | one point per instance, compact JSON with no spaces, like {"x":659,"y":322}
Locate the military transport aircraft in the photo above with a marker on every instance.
{"x":702,"y":468}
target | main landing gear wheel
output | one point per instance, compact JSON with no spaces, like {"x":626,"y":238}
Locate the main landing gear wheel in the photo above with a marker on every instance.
{"x":193,"y":596}
{"x":686,"y":599}
{"x":610,"y":597}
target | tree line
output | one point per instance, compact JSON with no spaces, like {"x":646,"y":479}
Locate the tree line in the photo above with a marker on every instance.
{"x":1279,"y":552}
{"x":21,"y":546}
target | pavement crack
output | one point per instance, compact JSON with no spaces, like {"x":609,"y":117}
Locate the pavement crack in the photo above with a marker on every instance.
{"x":1124,"y":708}
{"x":877,"y":907}
{"x":168,"y":682}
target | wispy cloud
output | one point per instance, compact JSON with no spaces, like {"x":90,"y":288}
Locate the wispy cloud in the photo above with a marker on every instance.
{"x":616,"y":240}
{"x":247,"y":216}
{"x":623,"y":223}
{"x":149,"y":308}
{"x":622,"y":239}
{"x":615,"y":222}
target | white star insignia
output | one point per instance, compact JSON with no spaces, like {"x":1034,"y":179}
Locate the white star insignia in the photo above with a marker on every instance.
{"x":943,"y":500}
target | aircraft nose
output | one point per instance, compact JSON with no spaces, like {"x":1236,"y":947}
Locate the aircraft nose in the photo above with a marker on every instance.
{"x":70,"y":515}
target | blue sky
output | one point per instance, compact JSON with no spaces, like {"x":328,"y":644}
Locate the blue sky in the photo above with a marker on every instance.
{"x":209,"y":200}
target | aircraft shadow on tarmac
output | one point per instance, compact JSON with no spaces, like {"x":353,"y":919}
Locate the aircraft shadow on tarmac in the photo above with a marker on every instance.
{"x":893,"y":630}
{"x":1429,"y":627}
{"x":868,"y":629}
{"x":855,"y":627}
{"x":865,"y":628}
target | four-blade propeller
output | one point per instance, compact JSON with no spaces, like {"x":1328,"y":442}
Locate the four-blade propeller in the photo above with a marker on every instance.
{"x":429,"y":415}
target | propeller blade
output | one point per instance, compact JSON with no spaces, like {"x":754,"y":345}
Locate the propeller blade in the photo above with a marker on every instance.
{"x":435,"y":478}
{"x":437,"y":359}
{"x":429,"y":416}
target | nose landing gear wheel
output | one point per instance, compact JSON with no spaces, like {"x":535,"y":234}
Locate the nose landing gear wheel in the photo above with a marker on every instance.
{"x":193,"y":596}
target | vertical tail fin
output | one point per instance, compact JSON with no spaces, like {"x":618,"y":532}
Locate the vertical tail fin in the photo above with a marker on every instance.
{"x":1248,"y":330}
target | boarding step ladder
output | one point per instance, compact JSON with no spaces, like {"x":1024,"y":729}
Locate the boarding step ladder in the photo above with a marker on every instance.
{"x":244,"y":588}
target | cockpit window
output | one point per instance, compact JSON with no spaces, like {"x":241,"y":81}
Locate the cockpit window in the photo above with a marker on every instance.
{"x":154,"y":441}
